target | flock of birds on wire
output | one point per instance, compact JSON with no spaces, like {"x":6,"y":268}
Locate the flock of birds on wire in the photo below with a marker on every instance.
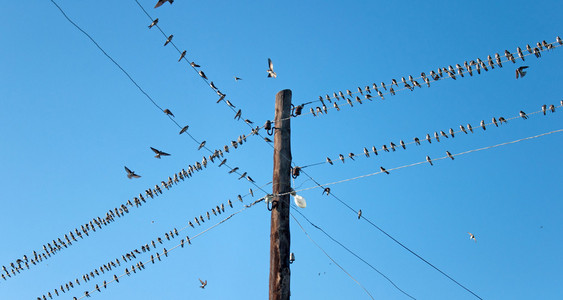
{"x":53,"y":247}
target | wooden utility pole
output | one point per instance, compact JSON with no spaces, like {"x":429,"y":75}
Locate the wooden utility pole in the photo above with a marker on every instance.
{"x":279,"y":229}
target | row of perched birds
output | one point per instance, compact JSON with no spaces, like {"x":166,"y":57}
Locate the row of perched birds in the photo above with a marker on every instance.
{"x":129,"y":256}
{"x":437,"y":135}
{"x":139,"y":266}
{"x":410,"y":83}
{"x":222,"y":96}
{"x":53,"y":247}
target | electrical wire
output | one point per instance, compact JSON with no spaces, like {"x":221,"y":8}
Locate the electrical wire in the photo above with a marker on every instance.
{"x":554,"y":46}
{"x":413,"y":142}
{"x":423,"y":162}
{"x":329,"y":257}
{"x":193,"y":237}
{"x":351,"y":252}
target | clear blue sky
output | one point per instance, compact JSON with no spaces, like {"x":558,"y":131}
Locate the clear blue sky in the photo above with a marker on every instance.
{"x":70,"y":120}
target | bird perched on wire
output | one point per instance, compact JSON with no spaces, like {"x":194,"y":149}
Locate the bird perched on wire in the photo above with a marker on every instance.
{"x":523,"y":115}
{"x":450,"y":155}
{"x":159,"y":153}
{"x":359,"y":214}
{"x":168,"y":112}
{"x":201,"y":145}
{"x":169,"y":39}
{"x":270,"y":70}
{"x":131,"y":174}
{"x":203,"y":283}
{"x":182,"y":55}
{"x":153,"y":23}
{"x":160,"y":2}
{"x":520,"y":72}
{"x":184,"y":129}
{"x":429,"y":160}
{"x":383,"y":170}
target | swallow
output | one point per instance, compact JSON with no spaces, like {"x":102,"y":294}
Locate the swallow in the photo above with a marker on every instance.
{"x":270,"y":70}
{"x":459,"y":69}
{"x":495,"y":122}
{"x":374,"y":150}
{"x":552,"y":108}
{"x":159,"y":153}
{"x":115,"y":278}
{"x":520,"y":53}
{"x":233,"y":170}
{"x":429,"y":160}
{"x":184,"y":129}
{"x":523,"y":115}
{"x":537,"y":52}
{"x":351,"y":155}
{"x":203,"y":283}
{"x":250,"y":179}
{"x":452,"y":133}
{"x":336,"y":106}
{"x":450,"y":155}
{"x":131,"y":174}
{"x":482,"y":124}
{"x":393,"y":146}
{"x":382,"y":85}
{"x":153,"y":23}
{"x":501,"y":120}
{"x":242,"y":176}
{"x":237,"y":78}
{"x":384,"y":147}
{"x":469,"y":127}
{"x":347,"y":101}
{"x":417,"y":141}
{"x":230,"y":203}
{"x":328,"y":160}
{"x":341,"y":157}
{"x":212,"y":85}
{"x":359,"y":214}
{"x":520,"y":71}
{"x":558,"y":39}
{"x":366,"y":152}
{"x":222,"y":162}
{"x":168,"y":112}
{"x":499,"y":61}
{"x":472,"y":237}
{"x":160,"y":2}
{"x":230,"y":104}
{"x":443,"y":134}
{"x":193,"y":64}
{"x":169,"y":39}
{"x":394,"y":82}
{"x":402,"y":144}
{"x":462,"y":129}
{"x":182,"y":55}
{"x":392,"y":91}
{"x":380,"y":94}
{"x":383,"y":170}
{"x":201,"y":145}
{"x":434,"y":75}
{"x":238,"y":114}
{"x":509,"y":56}
{"x":428,"y":138}
{"x":436,"y":136}
{"x":202,"y":75}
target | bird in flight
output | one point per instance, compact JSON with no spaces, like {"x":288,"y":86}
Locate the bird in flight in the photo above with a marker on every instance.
{"x":270,"y":70}
{"x":160,"y":2}
{"x":472,"y":237}
{"x":203,"y":283}
{"x":237,"y":78}
{"x":131,"y":174}
{"x":520,"y":72}
{"x":159,"y":153}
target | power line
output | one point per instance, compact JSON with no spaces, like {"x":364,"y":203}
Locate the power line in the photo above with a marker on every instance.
{"x":351,"y":252}
{"x":368,"y":94}
{"x":428,"y":138}
{"x":434,"y":159}
{"x":190,"y":239}
{"x":341,"y":268}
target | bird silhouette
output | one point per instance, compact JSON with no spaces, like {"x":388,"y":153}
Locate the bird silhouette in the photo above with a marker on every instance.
{"x":270,"y":70}
{"x":160,"y":2}
{"x":159,"y":153}
{"x":131,"y":174}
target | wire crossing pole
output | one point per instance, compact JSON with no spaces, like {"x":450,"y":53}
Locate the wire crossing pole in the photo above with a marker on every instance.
{"x":279,"y":229}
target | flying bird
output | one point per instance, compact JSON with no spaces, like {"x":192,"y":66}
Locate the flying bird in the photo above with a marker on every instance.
{"x":131,"y":174}
{"x":159,"y":153}
{"x":160,"y":2}
{"x":472,"y":237}
{"x":203,"y":283}
{"x":237,"y":78}
{"x":520,"y":73}
{"x":270,"y":70}
{"x":153,"y":23}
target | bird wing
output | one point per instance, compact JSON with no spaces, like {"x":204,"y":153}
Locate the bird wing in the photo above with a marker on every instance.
{"x":127,"y":170}
{"x":202,"y":281}
{"x":270,"y":64}
{"x":155,"y":150}
{"x":164,"y":153}
{"x":159,"y":3}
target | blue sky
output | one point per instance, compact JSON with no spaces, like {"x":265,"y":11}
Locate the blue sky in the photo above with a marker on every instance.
{"x":71,"y":120}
